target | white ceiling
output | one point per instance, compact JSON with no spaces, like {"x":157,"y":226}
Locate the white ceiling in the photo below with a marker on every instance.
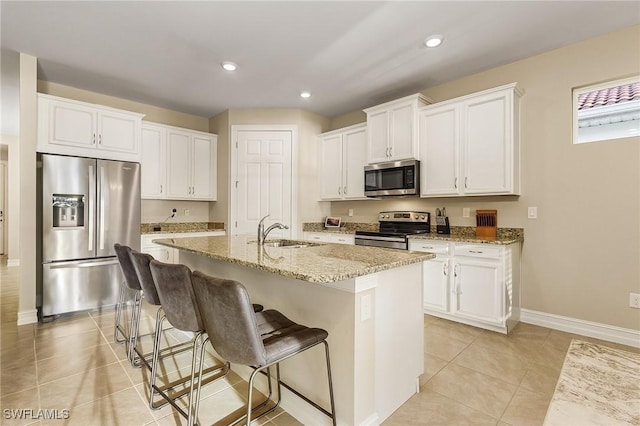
{"x":349,"y":54}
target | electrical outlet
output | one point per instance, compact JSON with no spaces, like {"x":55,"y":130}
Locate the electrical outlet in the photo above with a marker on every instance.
{"x":532,"y":213}
{"x":634,"y":300}
{"x":350,"y":212}
{"x":465,"y":211}
{"x":187,"y":212}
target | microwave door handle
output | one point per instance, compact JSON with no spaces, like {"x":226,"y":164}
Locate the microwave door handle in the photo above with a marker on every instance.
{"x":91,"y":213}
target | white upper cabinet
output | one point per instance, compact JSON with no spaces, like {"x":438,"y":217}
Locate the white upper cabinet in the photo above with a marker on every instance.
{"x":470,"y":145}
{"x":392,"y":129}
{"x":342,"y":161}
{"x":191,"y":165}
{"x":153,"y":160}
{"x":71,"y":127}
{"x":178,"y":164}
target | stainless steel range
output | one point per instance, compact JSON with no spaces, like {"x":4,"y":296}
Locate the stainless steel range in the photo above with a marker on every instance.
{"x":395,"y":226}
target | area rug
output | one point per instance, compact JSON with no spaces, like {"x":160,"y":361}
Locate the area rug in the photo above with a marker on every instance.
{"x":598,"y":385}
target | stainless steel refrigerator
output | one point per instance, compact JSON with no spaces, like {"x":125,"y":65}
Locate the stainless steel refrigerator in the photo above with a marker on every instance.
{"x":87,"y":205}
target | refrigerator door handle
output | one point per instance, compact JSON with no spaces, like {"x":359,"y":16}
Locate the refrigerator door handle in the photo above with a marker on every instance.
{"x":83,"y":264}
{"x":101,"y":202}
{"x":92,"y":196}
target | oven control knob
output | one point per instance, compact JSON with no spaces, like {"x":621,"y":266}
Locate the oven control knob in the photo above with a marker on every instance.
{"x":423,"y":217}
{"x":386,"y":216}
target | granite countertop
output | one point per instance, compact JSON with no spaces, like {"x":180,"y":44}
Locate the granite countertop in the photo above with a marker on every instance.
{"x":459,"y":234}
{"x":320,"y":263}
{"x":598,"y":385}
{"x":180,"y":227}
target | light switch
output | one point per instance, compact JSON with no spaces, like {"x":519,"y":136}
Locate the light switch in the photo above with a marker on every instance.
{"x":465,"y":211}
{"x":350,"y":212}
{"x":532,"y":213}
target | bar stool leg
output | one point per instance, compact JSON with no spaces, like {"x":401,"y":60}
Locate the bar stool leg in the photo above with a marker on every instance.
{"x":117,"y":329}
{"x":333,"y":407}
{"x":154,"y":363}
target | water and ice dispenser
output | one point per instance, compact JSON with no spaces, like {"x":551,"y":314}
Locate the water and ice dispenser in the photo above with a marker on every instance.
{"x":68,"y":210}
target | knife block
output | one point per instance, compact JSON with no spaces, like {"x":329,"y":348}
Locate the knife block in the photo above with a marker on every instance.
{"x":486,"y":223}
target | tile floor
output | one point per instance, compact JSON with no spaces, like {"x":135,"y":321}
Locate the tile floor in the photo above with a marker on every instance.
{"x":471,"y":376}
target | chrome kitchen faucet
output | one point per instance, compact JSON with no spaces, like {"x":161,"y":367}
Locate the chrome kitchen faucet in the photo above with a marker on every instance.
{"x":262,"y":233}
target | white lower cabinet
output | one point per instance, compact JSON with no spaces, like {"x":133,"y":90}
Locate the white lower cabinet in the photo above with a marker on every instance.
{"x":326,"y":237}
{"x":476,"y":284}
{"x":167,"y":254}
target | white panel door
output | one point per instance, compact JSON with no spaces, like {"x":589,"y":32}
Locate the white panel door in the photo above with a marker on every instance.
{"x":152,"y":164}
{"x":486,"y":146}
{"x":478,"y":290}
{"x":204,"y":167}
{"x":439,"y":142}
{"x":355,"y":158}
{"x":179,"y":164}
{"x":263,"y":181}
{"x":435,"y":278}
{"x":331,"y":168}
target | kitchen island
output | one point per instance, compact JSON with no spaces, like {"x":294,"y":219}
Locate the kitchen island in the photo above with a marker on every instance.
{"x":368,"y":299}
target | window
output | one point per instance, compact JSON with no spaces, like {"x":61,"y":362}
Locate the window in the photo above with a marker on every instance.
{"x":607,"y":111}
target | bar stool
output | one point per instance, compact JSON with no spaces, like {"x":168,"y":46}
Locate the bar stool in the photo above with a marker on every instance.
{"x":131,"y":283}
{"x":141,"y":262}
{"x":258,"y":340}
{"x":175,"y":291}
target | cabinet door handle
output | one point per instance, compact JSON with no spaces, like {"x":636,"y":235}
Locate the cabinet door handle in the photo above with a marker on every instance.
{"x":100,"y":139}
{"x":161,"y":189}
{"x":455,"y":183}
{"x":390,"y":151}
{"x":465,"y":182}
{"x":427,"y":247}
{"x":339,"y":191}
{"x":444,"y":269}
{"x":476,"y":251}
{"x":94,"y":139}
{"x":345,"y":191}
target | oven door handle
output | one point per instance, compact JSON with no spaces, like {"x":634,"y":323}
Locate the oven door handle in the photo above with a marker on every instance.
{"x":381,"y":238}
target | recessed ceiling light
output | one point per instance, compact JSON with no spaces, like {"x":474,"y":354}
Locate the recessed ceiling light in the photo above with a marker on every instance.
{"x":229,"y":66}
{"x":433,"y":40}
{"x":305,"y":94}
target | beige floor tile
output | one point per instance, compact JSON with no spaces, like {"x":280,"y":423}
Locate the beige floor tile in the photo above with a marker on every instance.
{"x":84,"y":387}
{"x":22,"y":346}
{"x":430,"y":319}
{"x":526,"y":408}
{"x":431,"y":408}
{"x":70,"y":346}
{"x":11,"y":333}
{"x":442,"y":346}
{"x":17,"y":379}
{"x":58,"y":367}
{"x":18,"y":356}
{"x":432,"y":365}
{"x":24,"y":400}
{"x":541,"y":378}
{"x":218,"y":406}
{"x":458,"y":331}
{"x":121,"y":408}
{"x":493,"y":363}
{"x":285,"y":419}
{"x":546,"y":355}
{"x":66,"y":326}
{"x":476,"y":390}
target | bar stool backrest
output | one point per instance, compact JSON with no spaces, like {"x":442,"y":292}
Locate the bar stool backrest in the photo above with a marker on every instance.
{"x":229,"y":319}
{"x":175,"y":290}
{"x":129,"y":273}
{"x":141,"y":263}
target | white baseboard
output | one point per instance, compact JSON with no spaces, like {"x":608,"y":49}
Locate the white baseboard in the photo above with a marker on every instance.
{"x":27,"y":317}
{"x":13,"y":262}
{"x":597,"y":330}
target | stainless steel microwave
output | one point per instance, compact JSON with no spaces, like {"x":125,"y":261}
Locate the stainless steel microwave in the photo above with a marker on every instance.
{"x":392,"y":178}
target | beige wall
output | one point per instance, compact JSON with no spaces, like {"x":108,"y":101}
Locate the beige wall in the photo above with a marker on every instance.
{"x":152,"y":210}
{"x":309,"y":125}
{"x":581,"y":256}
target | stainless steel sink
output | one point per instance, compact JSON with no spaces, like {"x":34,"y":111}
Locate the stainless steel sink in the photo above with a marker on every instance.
{"x":289,"y":244}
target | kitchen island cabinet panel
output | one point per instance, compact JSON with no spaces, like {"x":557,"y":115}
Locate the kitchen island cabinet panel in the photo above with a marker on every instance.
{"x":367,"y":298}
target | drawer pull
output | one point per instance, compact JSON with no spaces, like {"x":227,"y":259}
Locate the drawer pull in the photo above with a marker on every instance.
{"x":476,"y":251}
